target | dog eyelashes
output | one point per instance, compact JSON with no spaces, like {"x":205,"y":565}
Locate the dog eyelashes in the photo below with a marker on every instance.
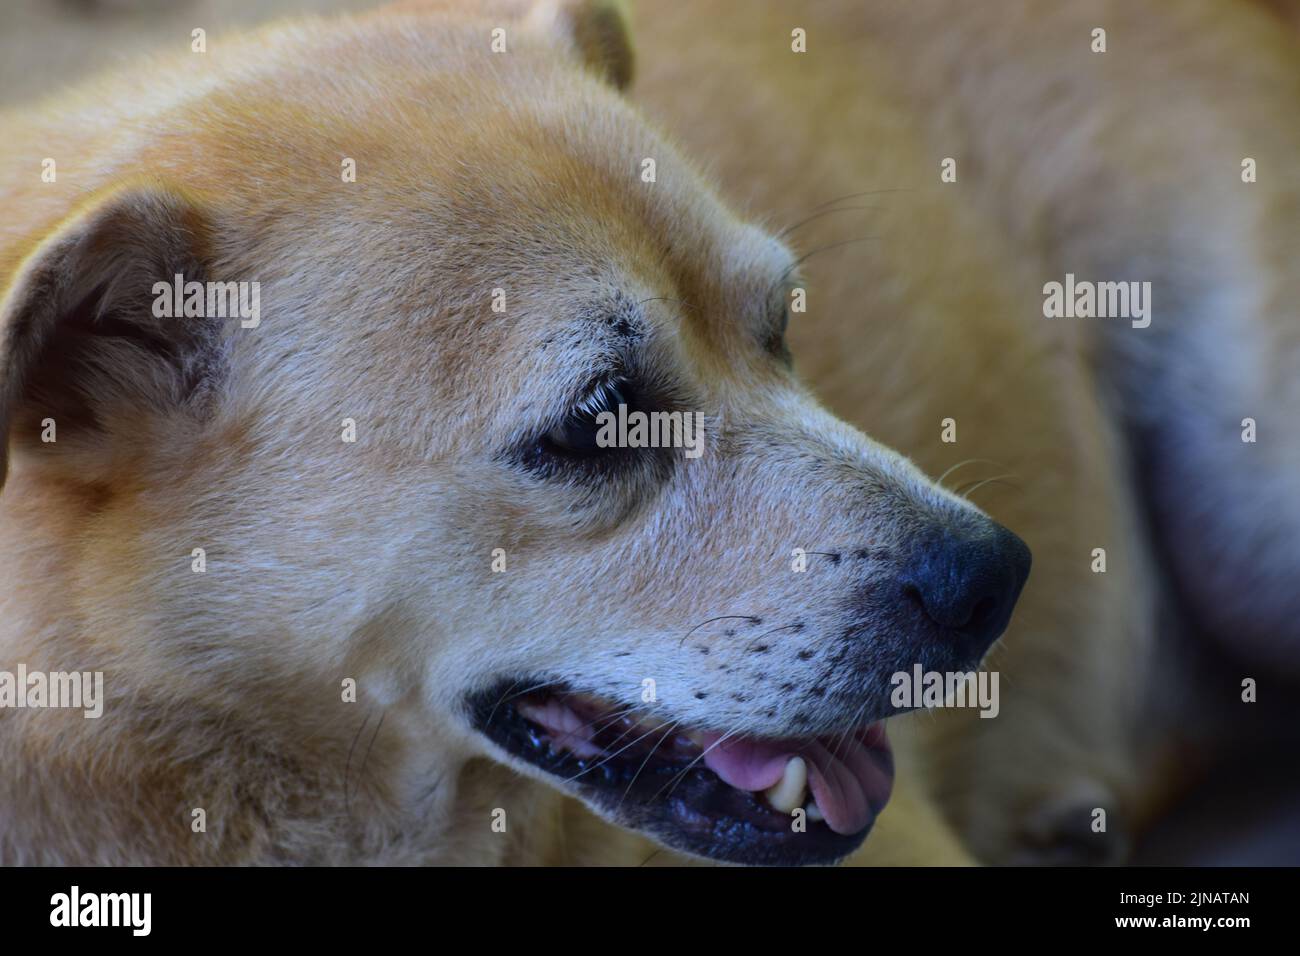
{"x":595,"y":445}
{"x":571,"y":450}
{"x":577,"y":435}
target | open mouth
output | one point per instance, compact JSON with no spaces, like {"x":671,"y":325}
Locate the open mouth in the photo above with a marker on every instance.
{"x":773,"y":801}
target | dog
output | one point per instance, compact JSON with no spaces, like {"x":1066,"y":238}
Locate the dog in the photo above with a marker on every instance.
{"x":365,"y":585}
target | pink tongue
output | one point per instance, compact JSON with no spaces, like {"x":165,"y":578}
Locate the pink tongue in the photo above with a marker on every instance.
{"x":848,"y":785}
{"x":746,"y":764}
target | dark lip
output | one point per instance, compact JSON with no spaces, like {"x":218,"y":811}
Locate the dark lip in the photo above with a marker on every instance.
{"x":690,"y":810}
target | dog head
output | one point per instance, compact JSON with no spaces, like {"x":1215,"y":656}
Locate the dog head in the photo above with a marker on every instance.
{"x":473,"y":261}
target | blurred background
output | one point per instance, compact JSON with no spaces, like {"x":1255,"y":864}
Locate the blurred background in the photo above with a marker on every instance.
{"x":1246,"y":807}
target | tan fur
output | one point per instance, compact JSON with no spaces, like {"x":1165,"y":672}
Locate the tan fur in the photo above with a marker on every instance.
{"x":371,"y":561}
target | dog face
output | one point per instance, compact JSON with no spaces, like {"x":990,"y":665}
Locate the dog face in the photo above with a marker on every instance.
{"x":687,"y":638}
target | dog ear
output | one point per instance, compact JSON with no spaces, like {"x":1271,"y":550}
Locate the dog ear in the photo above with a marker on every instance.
{"x":596,"y":29}
{"x":83,"y":352}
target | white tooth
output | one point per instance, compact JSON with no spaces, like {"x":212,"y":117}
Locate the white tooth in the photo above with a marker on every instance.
{"x":814,"y":812}
{"x":788,"y":792}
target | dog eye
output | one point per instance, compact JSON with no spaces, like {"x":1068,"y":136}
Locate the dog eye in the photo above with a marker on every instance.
{"x":779,"y":319}
{"x":577,"y":435}
{"x":775,"y":340}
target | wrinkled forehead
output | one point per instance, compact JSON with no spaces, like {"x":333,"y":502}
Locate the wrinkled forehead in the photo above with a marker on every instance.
{"x":551,"y":238}
{"x":568,"y":217}
{"x":590,"y":192}
{"x":476,"y":171}
{"x":614,"y":222}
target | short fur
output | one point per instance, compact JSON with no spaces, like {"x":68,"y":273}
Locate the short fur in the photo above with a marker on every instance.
{"x":329,"y":560}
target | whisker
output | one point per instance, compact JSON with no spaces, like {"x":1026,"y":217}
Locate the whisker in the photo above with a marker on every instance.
{"x":664,"y":298}
{"x":827,"y":248}
{"x":657,"y":745}
{"x":492,"y":713}
{"x":508,"y":696}
{"x":373,"y":738}
{"x":869,"y":192}
{"x":712,"y":620}
{"x":774,"y":630}
{"x":528,"y":690}
{"x":626,"y":730}
{"x":608,"y":718}
{"x":1000,"y":479}
{"x":848,"y":729}
{"x":573,"y":734}
{"x":617,"y":752}
{"x":818,"y":215}
{"x":611,"y":720}
{"x":681,"y":775}
{"x":804,"y":258}
{"x":347,"y":768}
{"x":962,"y":464}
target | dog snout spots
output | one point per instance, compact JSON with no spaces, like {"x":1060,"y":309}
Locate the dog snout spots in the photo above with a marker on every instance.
{"x":747,"y":641}
{"x":872,"y":554}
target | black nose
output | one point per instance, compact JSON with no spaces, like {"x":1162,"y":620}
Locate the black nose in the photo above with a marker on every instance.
{"x":967,"y":582}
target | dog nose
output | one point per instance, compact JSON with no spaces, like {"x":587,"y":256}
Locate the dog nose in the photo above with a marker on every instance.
{"x":967,"y":582}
